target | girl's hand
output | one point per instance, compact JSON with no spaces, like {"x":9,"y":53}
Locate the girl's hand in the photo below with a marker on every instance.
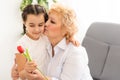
{"x":30,"y":66}
{"x":14,"y":72}
{"x":32,"y":73}
{"x":28,"y":69}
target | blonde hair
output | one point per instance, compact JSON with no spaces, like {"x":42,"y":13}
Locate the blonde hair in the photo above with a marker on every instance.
{"x":68,"y":17}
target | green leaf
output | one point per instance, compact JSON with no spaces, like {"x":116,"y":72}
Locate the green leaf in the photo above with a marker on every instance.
{"x":24,"y":3}
{"x":43,"y":3}
{"x":54,"y":1}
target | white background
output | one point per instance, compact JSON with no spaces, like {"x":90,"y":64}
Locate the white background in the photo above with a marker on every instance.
{"x":87,"y":11}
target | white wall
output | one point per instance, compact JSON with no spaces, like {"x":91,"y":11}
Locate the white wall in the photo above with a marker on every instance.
{"x":88,"y":11}
{"x":10,"y":29}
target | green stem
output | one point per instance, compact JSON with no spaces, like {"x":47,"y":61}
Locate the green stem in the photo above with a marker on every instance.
{"x":42,"y":74}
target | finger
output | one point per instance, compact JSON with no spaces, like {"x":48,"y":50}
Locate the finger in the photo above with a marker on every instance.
{"x":67,"y":41}
{"x":32,"y":64}
{"x":30,"y":70}
{"x":35,"y":77}
{"x":77,"y":43}
{"x":14,"y":73}
{"x":37,"y":74}
{"x":15,"y":76}
{"x":30,"y":76}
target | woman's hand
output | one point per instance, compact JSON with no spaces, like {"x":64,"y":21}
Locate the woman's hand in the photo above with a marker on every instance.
{"x":14,"y":72}
{"x":73,"y":41}
{"x":36,"y":75}
{"x":22,"y":75}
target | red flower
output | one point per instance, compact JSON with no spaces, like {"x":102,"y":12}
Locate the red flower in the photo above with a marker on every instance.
{"x":20,"y":49}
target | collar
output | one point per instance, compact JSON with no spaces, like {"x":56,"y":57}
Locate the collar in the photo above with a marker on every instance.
{"x":61,"y":45}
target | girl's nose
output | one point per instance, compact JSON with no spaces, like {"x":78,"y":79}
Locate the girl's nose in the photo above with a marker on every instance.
{"x":37,"y":29}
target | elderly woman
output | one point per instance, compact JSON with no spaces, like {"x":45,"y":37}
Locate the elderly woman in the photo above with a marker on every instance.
{"x":65,"y":61}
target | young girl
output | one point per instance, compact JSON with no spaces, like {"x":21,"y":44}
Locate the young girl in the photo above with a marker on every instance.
{"x":34,"y":18}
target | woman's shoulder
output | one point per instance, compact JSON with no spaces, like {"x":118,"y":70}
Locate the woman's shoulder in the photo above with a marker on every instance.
{"x":76,"y":49}
{"x":78,"y":53}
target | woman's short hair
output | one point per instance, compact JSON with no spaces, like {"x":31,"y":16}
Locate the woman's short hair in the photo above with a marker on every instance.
{"x":68,"y":18}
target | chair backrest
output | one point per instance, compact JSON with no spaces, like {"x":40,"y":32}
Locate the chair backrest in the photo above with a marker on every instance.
{"x":102,"y":43}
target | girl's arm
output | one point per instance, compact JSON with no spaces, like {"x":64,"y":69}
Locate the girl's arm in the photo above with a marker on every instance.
{"x":14,"y":72}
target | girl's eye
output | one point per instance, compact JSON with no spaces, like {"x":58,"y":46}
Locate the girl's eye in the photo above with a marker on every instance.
{"x":40,"y":25}
{"x":32,"y":25}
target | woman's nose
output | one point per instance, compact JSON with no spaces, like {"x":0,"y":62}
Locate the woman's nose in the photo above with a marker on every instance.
{"x":45,"y":26}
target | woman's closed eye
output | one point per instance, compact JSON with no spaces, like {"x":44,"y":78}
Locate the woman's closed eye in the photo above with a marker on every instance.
{"x":52,"y":21}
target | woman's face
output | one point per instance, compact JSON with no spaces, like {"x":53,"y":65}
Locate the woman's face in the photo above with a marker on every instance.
{"x":53,"y":27}
{"x":34,"y":25}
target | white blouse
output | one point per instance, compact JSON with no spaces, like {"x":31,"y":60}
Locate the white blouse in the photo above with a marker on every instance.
{"x":69,"y":62}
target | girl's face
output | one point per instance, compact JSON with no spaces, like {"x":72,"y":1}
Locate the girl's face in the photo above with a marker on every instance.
{"x":34,"y":25}
{"x":53,"y":27}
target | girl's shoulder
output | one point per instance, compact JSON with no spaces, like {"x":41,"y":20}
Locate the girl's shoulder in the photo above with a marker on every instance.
{"x":23,"y":39}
